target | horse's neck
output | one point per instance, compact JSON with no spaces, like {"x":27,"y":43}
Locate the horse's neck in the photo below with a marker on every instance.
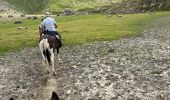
{"x":40,"y":31}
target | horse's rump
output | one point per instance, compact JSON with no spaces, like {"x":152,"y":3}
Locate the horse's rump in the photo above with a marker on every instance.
{"x":52,"y":40}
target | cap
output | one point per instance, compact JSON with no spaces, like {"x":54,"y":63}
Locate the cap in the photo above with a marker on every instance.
{"x":47,"y":13}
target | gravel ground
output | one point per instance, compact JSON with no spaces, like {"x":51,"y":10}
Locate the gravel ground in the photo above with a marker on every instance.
{"x":135,"y":68}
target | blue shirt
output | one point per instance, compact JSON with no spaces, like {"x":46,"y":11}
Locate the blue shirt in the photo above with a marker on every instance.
{"x":49,"y":24}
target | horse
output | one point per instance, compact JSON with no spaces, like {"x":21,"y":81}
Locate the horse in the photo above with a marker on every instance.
{"x":48,"y":44}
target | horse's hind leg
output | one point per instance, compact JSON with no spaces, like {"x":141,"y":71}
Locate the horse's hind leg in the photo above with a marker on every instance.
{"x":41,"y":49}
{"x":52,"y":61}
{"x":58,"y":55}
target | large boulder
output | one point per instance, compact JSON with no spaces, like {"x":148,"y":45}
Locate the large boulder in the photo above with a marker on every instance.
{"x":68,"y":11}
{"x":22,"y":15}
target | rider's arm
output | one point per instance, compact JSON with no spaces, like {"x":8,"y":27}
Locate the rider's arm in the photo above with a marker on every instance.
{"x":55,"y":25}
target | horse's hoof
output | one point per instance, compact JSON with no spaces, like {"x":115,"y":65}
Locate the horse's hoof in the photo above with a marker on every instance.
{"x":54,"y":74}
{"x":60,"y":62}
{"x":47,"y":72}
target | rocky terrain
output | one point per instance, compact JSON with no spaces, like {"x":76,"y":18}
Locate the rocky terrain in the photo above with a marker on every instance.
{"x":6,"y":9}
{"x":3,"y":6}
{"x":136,"y":68}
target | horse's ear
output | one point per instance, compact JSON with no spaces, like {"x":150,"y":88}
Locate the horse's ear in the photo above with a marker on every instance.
{"x":11,"y":98}
{"x":54,"y":96}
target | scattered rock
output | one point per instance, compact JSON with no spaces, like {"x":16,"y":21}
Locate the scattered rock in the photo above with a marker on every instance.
{"x":23,"y":15}
{"x":69,"y":92}
{"x":29,"y":17}
{"x":10,"y":16}
{"x":68,"y":11}
{"x":17,"y":22}
{"x":35,"y":17}
{"x":20,"y":28}
{"x":111,"y":50}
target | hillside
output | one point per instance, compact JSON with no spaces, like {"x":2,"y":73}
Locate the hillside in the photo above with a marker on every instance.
{"x":37,"y":6}
{"x":60,"y":5}
{"x":28,"y":6}
{"x":89,"y":6}
{"x":5,"y":8}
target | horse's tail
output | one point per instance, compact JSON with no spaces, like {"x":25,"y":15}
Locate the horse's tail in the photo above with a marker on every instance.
{"x":46,"y":51}
{"x":47,"y":55}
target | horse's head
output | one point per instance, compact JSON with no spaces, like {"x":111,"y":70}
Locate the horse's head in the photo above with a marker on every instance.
{"x":40,"y":32}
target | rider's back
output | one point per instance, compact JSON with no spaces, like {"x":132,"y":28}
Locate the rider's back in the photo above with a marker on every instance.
{"x":49,"y":24}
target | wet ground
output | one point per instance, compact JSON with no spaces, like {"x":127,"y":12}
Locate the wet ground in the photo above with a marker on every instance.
{"x":135,"y":68}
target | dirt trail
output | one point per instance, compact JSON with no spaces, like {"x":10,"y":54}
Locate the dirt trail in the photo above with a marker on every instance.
{"x":49,"y":88}
{"x":23,"y":76}
{"x":51,"y":84}
{"x":135,"y":68}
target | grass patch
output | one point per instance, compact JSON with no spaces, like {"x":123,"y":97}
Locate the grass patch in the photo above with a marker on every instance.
{"x":82,"y":29}
{"x":76,"y":29}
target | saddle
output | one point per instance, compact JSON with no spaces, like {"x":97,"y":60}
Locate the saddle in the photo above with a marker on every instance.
{"x":55,"y":34}
{"x":57,"y":37}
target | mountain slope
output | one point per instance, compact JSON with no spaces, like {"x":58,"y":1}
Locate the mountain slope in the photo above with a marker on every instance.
{"x":28,"y":6}
{"x":60,"y":5}
{"x":5,"y":8}
{"x":37,"y":6}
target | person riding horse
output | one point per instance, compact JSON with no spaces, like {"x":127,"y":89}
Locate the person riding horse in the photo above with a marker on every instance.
{"x":49,"y":26}
{"x":50,"y":40}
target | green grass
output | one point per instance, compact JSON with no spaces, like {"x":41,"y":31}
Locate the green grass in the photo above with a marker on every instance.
{"x":76,"y":29}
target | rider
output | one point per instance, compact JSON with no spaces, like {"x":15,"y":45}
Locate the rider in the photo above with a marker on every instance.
{"x":49,"y":25}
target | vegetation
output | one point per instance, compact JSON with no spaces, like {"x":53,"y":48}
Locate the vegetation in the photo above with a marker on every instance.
{"x":60,"y":5}
{"x":150,"y":5}
{"x":28,"y":6}
{"x":133,"y":6}
{"x":76,"y":29}
{"x":36,"y":6}
{"x":104,"y":6}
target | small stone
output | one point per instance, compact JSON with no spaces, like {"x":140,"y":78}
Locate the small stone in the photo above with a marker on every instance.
{"x":110,"y":50}
{"x":69,"y":92}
